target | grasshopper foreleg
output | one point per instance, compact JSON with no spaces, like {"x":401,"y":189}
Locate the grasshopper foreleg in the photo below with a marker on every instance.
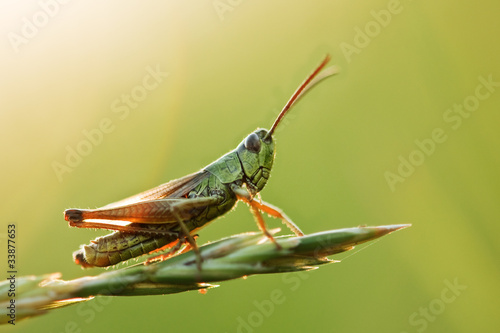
{"x":262,"y":225}
{"x":258,"y":206}
{"x":277,"y":213}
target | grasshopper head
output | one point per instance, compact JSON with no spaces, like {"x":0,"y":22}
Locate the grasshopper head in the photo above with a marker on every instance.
{"x":256,"y":154}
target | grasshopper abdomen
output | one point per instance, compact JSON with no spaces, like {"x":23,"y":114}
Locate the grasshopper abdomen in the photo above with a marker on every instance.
{"x":117,"y":247}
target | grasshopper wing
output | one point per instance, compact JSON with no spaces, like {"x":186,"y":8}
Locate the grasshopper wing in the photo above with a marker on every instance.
{"x":173,"y":189}
{"x":163,"y":204}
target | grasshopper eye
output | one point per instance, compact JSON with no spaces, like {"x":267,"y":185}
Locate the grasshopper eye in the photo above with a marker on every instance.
{"x":252,"y":143}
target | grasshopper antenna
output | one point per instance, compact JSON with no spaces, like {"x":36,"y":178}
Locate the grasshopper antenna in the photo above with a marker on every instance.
{"x":305,"y":86}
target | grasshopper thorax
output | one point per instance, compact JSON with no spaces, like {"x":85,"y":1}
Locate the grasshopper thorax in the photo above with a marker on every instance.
{"x":256,"y":154}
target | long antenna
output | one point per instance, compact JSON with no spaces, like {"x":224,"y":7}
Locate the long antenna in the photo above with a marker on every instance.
{"x":305,"y":86}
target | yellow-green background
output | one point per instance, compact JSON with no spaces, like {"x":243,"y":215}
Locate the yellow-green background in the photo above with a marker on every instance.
{"x":226,"y":77}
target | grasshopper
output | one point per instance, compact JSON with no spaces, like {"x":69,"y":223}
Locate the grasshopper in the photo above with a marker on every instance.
{"x":169,"y":215}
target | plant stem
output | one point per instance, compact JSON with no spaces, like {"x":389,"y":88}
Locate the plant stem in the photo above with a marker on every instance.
{"x":230,"y":258}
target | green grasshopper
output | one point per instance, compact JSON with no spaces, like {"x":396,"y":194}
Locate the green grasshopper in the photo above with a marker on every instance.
{"x":168,"y":216}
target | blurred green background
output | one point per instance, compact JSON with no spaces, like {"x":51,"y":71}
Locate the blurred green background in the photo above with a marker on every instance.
{"x":227,"y":67}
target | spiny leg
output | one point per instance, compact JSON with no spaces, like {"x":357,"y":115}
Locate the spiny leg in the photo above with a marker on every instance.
{"x":243,"y":195}
{"x":262,"y":225}
{"x":277,"y":213}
